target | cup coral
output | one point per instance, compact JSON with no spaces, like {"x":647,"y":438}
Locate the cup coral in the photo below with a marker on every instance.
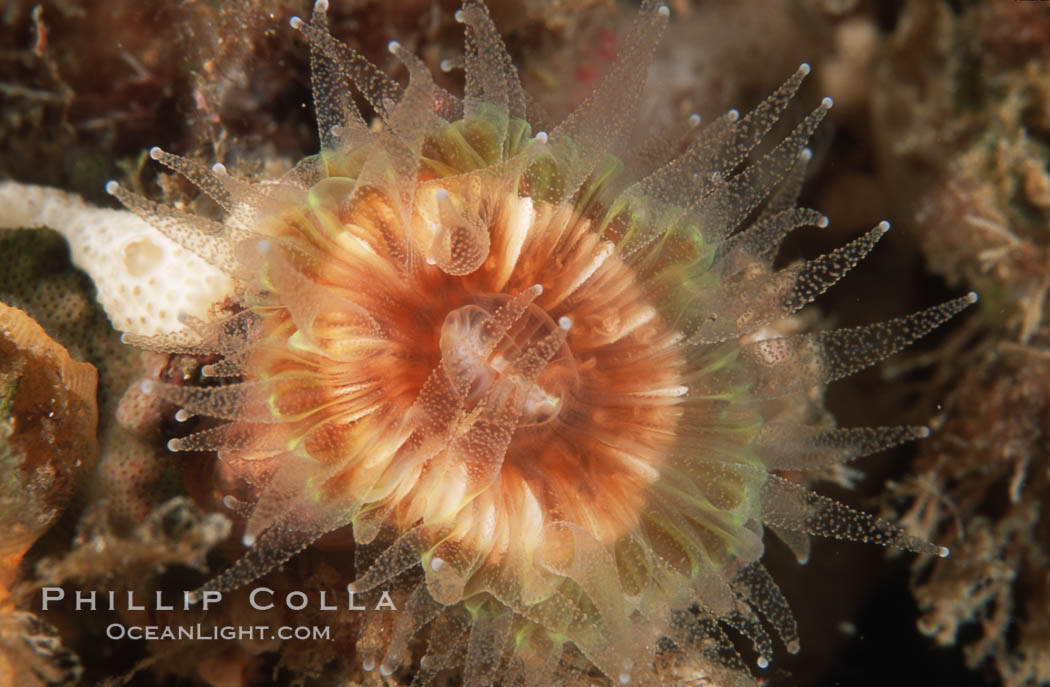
{"x":534,"y":366}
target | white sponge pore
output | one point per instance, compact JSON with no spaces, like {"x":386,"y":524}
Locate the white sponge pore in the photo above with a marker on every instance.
{"x":144,"y":279}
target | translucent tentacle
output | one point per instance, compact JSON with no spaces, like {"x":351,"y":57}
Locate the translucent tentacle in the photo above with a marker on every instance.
{"x":745,"y":621}
{"x":409,"y":120}
{"x":791,"y":506}
{"x":419,"y":610}
{"x":723,"y":209}
{"x":445,"y":649}
{"x":273,"y":547}
{"x":334,"y":107}
{"x":582,"y":139}
{"x":245,"y":401}
{"x":180,"y":341}
{"x":747,"y":298}
{"x":755,"y":585}
{"x":584,"y":560}
{"x":786,"y":194}
{"x":462,"y":242}
{"x":493,"y":90}
{"x":720,"y":148}
{"x":761,"y":241}
{"x":230,"y":366}
{"x":287,"y":491}
{"x":753,"y":126}
{"x":678,"y":181}
{"x":814,"y":277}
{"x":228,"y":192}
{"x":379,"y":90}
{"x":798,"y":542}
{"x":413,"y":115}
{"x":228,"y":336}
{"x":661,"y":149}
{"x":239,"y":436}
{"x":406,"y":552}
{"x":779,"y":366}
{"x":489,"y":634}
{"x":202,"y":237}
{"x":793,"y":447}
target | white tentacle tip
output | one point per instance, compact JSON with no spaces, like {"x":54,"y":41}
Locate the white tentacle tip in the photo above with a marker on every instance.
{"x":460,"y":16}
{"x":943,"y":551}
{"x":248,"y":540}
{"x":804,"y":68}
{"x":296,"y":23}
{"x":321,"y":6}
{"x":565,"y":323}
{"x":972,"y":297}
{"x":220,"y":169}
{"x":694,"y":120}
{"x":156,"y":153}
{"x":663,"y":11}
{"x":883,"y":227}
{"x":112,"y":187}
{"x":923,"y":432}
{"x":762,"y":662}
{"x":827,"y":103}
{"x":393,"y":47}
{"x":173,"y":445}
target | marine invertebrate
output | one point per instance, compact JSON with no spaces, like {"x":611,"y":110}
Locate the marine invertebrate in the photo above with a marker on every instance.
{"x":48,"y":417}
{"x":533,"y":365}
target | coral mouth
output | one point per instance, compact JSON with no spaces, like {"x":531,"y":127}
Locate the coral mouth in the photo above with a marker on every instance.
{"x":546,"y":395}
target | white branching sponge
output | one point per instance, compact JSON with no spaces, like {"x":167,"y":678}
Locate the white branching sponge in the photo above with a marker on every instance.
{"x":523,"y":364}
{"x":144,"y":279}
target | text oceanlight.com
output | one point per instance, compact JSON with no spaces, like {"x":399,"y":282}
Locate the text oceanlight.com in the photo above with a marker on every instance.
{"x":260,"y":599}
{"x":200,"y":632}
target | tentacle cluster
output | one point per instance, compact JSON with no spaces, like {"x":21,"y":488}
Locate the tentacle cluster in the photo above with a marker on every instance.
{"x":529,"y":364}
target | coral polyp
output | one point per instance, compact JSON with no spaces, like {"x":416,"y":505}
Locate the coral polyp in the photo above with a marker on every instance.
{"x":536,"y":371}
